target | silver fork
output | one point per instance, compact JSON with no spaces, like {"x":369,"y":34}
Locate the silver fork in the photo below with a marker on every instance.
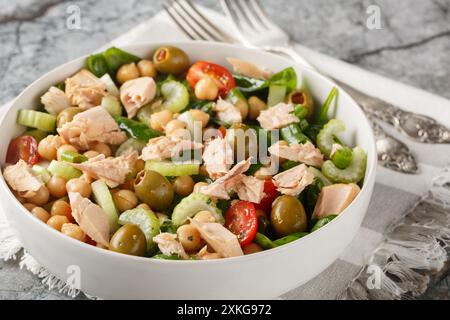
{"x":256,"y":29}
{"x":392,"y":153}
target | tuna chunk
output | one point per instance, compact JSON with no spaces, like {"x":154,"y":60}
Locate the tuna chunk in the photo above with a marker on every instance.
{"x":204,"y":254}
{"x":21,"y":178}
{"x":219,"y":188}
{"x":85,"y":90}
{"x":164,"y":147}
{"x":136,"y":93}
{"x":169,"y":245}
{"x":91,"y":218}
{"x":92,"y":126}
{"x":113,"y":171}
{"x":227,"y":112}
{"x":292,"y":182}
{"x":334,"y":199}
{"x":218,"y":158}
{"x":277,"y":117}
{"x":249,"y":189}
{"x":55,"y":101}
{"x":249,"y":69}
{"x":305,"y":153}
{"x":222,"y":240}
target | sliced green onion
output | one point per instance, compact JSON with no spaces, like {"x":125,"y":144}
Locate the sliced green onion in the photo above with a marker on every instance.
{"x":290,"y":238}
{"x":38,"y":120}
{"x":264,"y":241}
{"x":73,"y":157}
{"x":323,"y":115}
{"x":62,"y":169}
{"x":342,"y":158}
{"x":319,"y":224}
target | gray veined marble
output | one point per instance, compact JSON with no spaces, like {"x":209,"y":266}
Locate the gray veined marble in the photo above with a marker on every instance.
{"x":413,"y":47}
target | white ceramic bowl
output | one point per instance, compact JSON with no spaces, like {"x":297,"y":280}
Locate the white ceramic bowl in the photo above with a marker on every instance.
{"x":264,"y":275}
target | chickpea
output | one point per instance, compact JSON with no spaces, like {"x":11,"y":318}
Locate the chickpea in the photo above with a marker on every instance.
{"x":206,"y":89}
{"x":199,"y":185}
{"x":127,"y":72}
{"x":63,"y":148}
{"x":41,"y":197}
{"x":73,"y":231}
{"x":174,"y":125}
{"x":62,"y":208}
{"x":41,"y":214}
{"x":81,"y":186}
{"x":252,"y":248}
{"x":189,"y":238}
{"x":183,"y":134}
{"x":199,"y":115}
{"x":203,"y":172}
{"x":159,"y":120}
{"x":204,"y":216}
{"x":125,"y":200}
{"x":57,"y":186}
{"x":259,"y":175}
{"x":144,"y":206}
{"x":29,"y":206}
{"x":147,"y":69}
{"x":102,"y":148}
{"x":48,"y":147}
{"x":56,"y":222}
{"x":183,"y":186}
{"x":255,"y":106}
{"x":243,"y":107}
{"x":91,"y":154}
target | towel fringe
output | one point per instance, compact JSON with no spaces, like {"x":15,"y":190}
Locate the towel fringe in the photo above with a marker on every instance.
{"x":414,"y":250}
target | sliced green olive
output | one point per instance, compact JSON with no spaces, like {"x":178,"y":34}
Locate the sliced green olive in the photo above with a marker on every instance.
{"x":154,"y":189}
{"x":170,"y":60}
{"x":302,"y":98}
{"x":288,"y":216}
{"x":67,"y":115}
{"x":129,"y":239}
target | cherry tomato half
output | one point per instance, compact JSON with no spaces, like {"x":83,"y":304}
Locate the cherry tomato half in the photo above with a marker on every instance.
{"x":242,"y":220}
{"x":25,"y":148}
{"x":223,"y":78}
{"x":271,"y":193}
{"x":223,"y":131}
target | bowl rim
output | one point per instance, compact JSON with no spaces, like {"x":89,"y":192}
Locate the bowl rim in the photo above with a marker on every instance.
{"x":370,"y":176}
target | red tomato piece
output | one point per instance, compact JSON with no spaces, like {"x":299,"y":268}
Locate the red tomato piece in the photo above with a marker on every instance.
{"x":271,"y":193}
{"x":223,"y":78}
{"x":242,"y":220}
{"x":25,"y":148}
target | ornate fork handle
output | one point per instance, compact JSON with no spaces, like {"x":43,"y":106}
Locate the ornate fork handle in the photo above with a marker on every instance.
{"x":418,"y":127}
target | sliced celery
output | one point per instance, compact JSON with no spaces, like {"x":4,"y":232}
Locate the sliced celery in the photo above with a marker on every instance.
{"x":327,"y":136}
{"x":73,"y":157}
{"x":170,"y":169}
{"x":104,"y":199}
{"x":42,"y":173}
{"x":277,"y":94}
{"x":38,"y":120}
{"x":354,"y":173}
{"x":62,"y":169}
{"x":37,"y":134}
{"x":112,"y":105}
{"x":193,"y":204}
{"x":176,"y":96}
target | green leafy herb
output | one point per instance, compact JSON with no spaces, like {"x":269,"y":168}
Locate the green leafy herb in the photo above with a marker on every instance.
{"x":136,"y":129}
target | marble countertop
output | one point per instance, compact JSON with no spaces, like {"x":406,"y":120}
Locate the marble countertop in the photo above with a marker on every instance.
{"x":412,"y":46}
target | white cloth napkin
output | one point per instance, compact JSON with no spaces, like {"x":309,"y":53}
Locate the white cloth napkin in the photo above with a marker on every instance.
{"x":394,"y":193}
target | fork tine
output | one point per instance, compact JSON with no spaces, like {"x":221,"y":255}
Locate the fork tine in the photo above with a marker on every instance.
{"x":220,"y":35}
{"x":260,"y":13}
{"x":232,"y":12}
{"x":249,"y":14}
{"x":181,"y":23}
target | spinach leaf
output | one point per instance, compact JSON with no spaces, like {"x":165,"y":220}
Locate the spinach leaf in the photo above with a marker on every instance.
{"x":136,"y":129}
{"x":286,"y":78}
{"x":96,"y":63}
{"x":115,"y":58}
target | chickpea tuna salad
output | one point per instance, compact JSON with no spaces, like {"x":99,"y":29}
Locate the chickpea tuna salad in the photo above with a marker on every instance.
{"x":112,"y":157}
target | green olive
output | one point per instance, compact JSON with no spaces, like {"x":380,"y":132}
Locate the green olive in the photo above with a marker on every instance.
{"x":67,"y":115}
{"x":288,"y":216}
{"x":303,"y":98}
{"x":129,"y":239}
{"x":154,"y":190}
{"x":170,"y":60}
